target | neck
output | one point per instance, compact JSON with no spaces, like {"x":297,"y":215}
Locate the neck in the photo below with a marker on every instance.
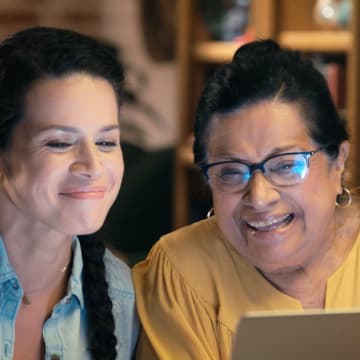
{"x":307,"y":287}
{"x":36,"y":252}
{"x":37,"y":257}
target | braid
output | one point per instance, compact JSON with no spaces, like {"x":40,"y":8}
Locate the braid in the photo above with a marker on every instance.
{"x":101,"y":324}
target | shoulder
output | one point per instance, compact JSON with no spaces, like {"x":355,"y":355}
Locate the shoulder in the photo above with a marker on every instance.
{"x":118,"y":274}
{"x":193,"y":256}
{"x":199,"y":241}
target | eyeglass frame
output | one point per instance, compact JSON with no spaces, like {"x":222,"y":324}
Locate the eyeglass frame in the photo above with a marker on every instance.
{"x":260,"y":165}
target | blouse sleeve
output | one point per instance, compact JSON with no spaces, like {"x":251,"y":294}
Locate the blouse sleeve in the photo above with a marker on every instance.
{"x":177,"y":323}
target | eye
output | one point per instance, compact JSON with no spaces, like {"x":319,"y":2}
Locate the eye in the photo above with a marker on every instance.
{"x":233,"y":173}
{"x":107,"y":145}
{"x":58,"y":146}
{"x":289,"y":167}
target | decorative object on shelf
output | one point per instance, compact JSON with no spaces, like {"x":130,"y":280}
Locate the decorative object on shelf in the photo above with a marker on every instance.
{"x":235,"y":20}
{"x":332,"y":13}
{"x":225,"y":20}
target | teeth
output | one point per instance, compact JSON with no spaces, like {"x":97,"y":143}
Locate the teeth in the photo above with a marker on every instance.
{"x":252,"y":231}
{"x":270,"y":223}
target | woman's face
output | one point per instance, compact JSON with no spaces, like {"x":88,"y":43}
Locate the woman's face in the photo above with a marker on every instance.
{"x":277,"y":228}
{"x":64,"y":166}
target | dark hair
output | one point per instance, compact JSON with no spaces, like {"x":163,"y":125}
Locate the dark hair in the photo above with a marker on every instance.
{"x":39,"y":53}
{"x":260,"y":71}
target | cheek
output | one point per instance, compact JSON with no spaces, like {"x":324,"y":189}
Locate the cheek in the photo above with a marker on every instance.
{"x":321,"y":190}
{"x":115,"y":168}
{"x":26,"y":173}
{"x":314,"y":205}
{"x":225,"y":205}
{"x":227,"y":211}
{"x":30,"y":188}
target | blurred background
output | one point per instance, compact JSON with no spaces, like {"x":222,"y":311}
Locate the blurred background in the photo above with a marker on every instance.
{"x":168,"y":49}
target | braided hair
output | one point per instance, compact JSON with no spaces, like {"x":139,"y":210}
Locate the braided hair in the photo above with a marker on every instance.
{"x":101,"y":323}
{"x":39,"y":53}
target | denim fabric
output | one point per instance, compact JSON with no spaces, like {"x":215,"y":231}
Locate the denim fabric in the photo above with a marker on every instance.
{"x":64,"y":332}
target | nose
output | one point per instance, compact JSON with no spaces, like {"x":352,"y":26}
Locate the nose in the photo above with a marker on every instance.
{"x":87,"y":163}
{"x":260,"y":193}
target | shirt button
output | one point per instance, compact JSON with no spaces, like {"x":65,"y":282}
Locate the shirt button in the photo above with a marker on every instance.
{"x":54,"y":357}
{"x":68,"y":300}
{"x":15,"y":285}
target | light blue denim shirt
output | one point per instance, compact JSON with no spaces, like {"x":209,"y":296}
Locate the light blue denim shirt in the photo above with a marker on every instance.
{"x":64,"y":332}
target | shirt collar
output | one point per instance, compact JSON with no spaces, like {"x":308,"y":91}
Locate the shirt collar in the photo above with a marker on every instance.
{"x":75,"y":281}
{"x":6,"y":271}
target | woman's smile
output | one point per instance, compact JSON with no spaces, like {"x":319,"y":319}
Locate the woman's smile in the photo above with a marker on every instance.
{"x":267,"y":231}
{"x":85,"y":193}
{"x":271,"y":223}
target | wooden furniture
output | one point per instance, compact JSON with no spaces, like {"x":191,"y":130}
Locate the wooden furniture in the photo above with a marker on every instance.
{"x":291,"y":24}
{"x":81,"y":15}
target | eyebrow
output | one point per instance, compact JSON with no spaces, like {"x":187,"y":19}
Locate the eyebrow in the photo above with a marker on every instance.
{"x":274,"y":151}
{"x":76,"y":130}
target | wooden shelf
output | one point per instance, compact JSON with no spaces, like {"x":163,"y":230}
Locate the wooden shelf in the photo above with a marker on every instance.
{"x":317,"y":41}
{"x":184,"y":154}
{"x":320,"y":41}
{"x":216,"y":52}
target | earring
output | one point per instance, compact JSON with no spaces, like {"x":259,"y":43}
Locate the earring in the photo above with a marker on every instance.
{"x":210,"y":213}
{"x":344,"y":200}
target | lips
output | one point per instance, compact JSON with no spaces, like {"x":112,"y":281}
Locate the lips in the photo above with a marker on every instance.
{"x":85,"y":193}
{"x":270,"y":223}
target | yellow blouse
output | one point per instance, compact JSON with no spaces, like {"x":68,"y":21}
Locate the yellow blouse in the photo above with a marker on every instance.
{"x":193,"y":287}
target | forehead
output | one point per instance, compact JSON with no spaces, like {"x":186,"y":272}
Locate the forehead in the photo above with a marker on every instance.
{"x":76,"y":100}
{"x":258,"y":130}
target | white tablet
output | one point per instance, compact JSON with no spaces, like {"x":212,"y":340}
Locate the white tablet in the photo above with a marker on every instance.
{"x":318,"y":335}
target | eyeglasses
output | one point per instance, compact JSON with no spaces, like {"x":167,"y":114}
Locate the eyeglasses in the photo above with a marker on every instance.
{"x":281,"y":169}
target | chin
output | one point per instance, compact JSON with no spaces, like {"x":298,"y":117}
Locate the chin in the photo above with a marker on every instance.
{"x":87,"y":227}
{"x":87,"y":232}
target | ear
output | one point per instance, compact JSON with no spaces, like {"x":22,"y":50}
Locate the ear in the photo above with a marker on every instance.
{"x":340,"y":162}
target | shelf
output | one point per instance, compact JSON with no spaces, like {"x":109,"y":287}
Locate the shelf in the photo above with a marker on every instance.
{"x":215,"y":51}
{"x":218,"y":52}
{"x":184,"y":154}
{"x":317,"y":41}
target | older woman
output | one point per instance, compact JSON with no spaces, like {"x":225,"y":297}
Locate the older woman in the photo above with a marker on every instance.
{"x":273,"y":149}
{"x":61,"y":168}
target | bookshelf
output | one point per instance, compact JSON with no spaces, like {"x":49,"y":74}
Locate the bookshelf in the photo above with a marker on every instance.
{"x":291,"y":24}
